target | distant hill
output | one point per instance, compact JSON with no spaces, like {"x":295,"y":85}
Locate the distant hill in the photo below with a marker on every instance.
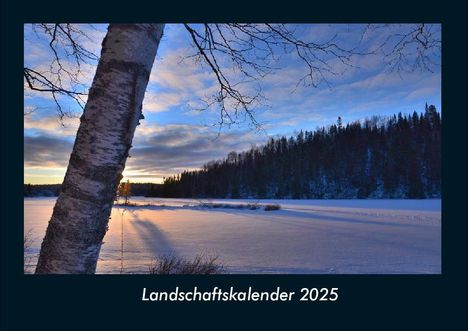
{"x":383,"y":157}
{"x":41,"y":190}
{"x":391,"y":157}
{"x":50,"y":190}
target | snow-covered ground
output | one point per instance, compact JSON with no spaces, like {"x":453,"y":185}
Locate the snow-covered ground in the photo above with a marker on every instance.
{"x":305,"y":236}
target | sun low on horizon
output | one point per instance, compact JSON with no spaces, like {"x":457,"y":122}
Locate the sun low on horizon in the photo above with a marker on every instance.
{"x":176,"y":136}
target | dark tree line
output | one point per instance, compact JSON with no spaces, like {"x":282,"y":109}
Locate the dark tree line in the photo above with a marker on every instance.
{"x":50,"y":190}
{"x":391,"y":157}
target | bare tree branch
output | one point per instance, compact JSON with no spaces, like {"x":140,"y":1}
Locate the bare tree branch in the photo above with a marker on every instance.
{"x":253,"y":51}
{"x":409,"y":47}
{"x":207,"y":46}
{"x":63,"y":76}
{"x":239,"y":55}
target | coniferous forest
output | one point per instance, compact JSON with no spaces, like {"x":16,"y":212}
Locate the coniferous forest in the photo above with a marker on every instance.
{"x":382,"y":157}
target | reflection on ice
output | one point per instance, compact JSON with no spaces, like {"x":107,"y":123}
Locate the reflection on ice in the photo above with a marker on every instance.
{"x":305,"y":236}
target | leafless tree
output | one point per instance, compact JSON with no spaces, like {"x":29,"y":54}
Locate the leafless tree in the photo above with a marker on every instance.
{"x":62,"y":77}
{"x":409,"y":47}
{"x":252,"y":51}
{"x":114,"y":107}
{"x":80,"y":218}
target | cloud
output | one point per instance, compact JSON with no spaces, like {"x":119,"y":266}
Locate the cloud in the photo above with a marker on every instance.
{"x":50,"y":124}
{"x":155,"y":102}
{"x":174,"y":74}
{"x":174,"y":148}
{"x":161,"y":151}
{"x":423,"y":92}
{"x":46,"y":151}
{"x":172,"y":137}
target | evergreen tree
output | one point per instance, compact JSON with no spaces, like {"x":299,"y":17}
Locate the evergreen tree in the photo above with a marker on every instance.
{"x":392,"y":157}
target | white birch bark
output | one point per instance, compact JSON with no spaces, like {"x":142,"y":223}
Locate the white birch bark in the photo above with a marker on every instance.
{"x":81,"y":214}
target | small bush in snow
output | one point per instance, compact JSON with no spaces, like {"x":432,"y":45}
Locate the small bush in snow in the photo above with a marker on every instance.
{"x":28,"y":240}
{"x":172,"y":265}
{"x":271,"y":207}
{"x":229,"y":206}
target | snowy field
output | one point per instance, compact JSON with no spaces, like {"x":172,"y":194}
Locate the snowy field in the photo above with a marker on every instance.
{"x":304,"y":237}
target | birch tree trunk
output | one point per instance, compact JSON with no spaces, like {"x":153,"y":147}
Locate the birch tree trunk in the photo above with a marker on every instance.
{"x":81,"y":214}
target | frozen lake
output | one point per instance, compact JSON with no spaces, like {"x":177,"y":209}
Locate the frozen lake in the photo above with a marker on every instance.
{"x":305,"y":236}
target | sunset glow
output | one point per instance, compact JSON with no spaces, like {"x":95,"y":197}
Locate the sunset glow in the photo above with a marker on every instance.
{"x":174,"y":137}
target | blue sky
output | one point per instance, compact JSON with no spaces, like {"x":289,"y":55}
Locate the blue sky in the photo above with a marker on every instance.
{"x":174,"y":136}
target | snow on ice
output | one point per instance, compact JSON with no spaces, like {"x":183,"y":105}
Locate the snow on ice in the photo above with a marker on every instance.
{"x":304,"y":237}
